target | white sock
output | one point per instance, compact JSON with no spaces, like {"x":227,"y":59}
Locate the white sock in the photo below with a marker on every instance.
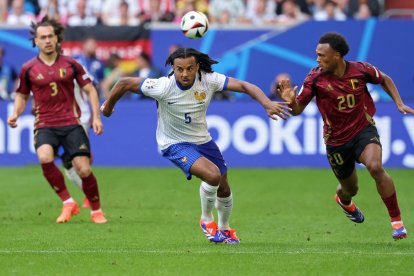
{"x":208,"y":195}
{"x":96,"y":211}
{"x":224,"y":207}
{"x":69,"y":200}
{"x":74,"y":177}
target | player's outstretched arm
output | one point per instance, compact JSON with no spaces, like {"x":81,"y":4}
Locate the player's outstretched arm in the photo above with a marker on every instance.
{"x":389,"y":86}
{"x":288,"y":94}
{"x":118,"y":90}
{"x":20,"y":103}
{"x":273,"y":109}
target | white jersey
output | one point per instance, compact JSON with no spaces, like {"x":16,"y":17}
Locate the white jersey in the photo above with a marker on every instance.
{"x":182,"y":113}
{"x":82,"y":101}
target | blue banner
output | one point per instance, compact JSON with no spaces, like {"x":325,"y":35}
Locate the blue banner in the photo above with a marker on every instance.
{"x":247,"y":137}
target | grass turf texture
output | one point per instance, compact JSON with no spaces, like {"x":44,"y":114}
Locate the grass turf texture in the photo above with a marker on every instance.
{"x":287,"y":221}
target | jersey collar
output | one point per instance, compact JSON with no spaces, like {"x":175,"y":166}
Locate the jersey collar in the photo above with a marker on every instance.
{"x":182,"y":87}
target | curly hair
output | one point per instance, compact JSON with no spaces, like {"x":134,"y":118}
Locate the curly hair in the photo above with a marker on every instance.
{"x":202,"y":59}
{"x":336,"y":41}
{"x":45,"y":21}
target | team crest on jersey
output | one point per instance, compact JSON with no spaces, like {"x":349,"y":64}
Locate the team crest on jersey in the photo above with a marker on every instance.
{"x":149,"y":84}
{"x":184,"y":159}
{"x":62,"y":72}
{"x":200,"y":96}
{"x":354,"y":83}
{"x":39,"y":77}
{"x":329,"y":88}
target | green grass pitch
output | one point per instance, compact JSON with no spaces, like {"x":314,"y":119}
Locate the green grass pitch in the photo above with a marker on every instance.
{"x":286,"y":219}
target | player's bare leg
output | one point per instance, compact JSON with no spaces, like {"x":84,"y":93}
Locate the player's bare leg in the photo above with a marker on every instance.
{"x":348,"y":188}
{"x":371,"y":157}
{"x":90,"y":187}
{"x":71,"y":174}
{"x":54,"y":176}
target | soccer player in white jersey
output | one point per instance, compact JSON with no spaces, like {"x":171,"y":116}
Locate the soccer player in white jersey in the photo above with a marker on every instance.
{"x":182,"y":133}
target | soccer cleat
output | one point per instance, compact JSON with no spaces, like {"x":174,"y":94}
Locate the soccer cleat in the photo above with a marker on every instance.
{"x":211,"y":232}
{"x":86,"y":203}
{"x":68,"y":210}
{"x":98,"y":217}
{"x":398,"y":230}
{"x":231,"y":237}
{"x":352,"y":212}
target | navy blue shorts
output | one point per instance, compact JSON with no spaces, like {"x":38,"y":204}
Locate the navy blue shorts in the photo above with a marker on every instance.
{"x":183,"y":155}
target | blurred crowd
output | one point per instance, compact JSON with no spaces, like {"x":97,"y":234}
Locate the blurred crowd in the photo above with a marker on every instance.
{"x":134,"y":12}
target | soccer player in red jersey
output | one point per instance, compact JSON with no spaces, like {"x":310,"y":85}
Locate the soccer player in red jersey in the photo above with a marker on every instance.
{"x":50,"y":77}
{"x":339,"y":87}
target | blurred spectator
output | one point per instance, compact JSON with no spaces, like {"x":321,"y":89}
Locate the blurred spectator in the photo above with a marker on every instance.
{"x":226,"y":11}
{"x":156,"y":10}
{"x":112,"y":74}
{"x":82,"y":16}
{"x":8,"y":78}
{"x":261,"y":12}
{"x":353,"y":7}
{"x":302,"y":4}
{"x":145,"y":69}
{"x":315,"y":6}
{"x":330,"y":12}
{"x":184,"y":6}
{"x":92,"y":64}
{"x":52,"y":10}
{"x":291,"y":13}
{"x":18,"y":16}
{"x":123,"y":17}
{"x":92,"y":8}
{"x":3,"y":11}
{"x":274,"y":95}
{"x":111,"y":9}
{"x":364,"y":12}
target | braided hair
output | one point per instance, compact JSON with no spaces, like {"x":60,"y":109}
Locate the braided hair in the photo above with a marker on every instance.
{"x":202,"y":59}
{"x":57,"y":28}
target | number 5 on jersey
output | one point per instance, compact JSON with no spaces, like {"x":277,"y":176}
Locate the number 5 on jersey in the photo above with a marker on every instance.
{"x":187,"y":118}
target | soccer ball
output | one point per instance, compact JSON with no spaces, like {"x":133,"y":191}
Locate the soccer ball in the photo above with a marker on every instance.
{"x":194,"y":24}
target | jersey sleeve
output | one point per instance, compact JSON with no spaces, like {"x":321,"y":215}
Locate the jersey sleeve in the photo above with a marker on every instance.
{"x":217,"y":81}
{"x":154,"y":88}
{"x":82,"y":77}
{"x":24,"y":86}
{"x":305,"y":94}
{"x":371,"y":72}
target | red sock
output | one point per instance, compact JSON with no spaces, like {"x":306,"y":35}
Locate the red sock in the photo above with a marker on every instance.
{"x":56,"y":180}
{"x":392,"y":206}
{"x":90,"y":188}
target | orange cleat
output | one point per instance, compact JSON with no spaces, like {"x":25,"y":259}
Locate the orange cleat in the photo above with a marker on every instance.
{"x":68,"y":210}
{"x":98,"y":217}
{"x":86,"y":203}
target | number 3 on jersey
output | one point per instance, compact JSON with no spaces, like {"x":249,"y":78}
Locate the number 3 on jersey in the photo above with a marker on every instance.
{"x":54,"y":87}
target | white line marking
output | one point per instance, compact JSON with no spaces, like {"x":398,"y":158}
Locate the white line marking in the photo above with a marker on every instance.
{"x":201,"y":252}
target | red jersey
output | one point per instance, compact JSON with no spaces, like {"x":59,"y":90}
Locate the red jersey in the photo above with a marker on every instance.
{"x":53,"y":90}
{"x":345,"y":103}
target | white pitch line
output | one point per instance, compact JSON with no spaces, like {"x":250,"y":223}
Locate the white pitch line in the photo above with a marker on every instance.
{"x":202,"y":252}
